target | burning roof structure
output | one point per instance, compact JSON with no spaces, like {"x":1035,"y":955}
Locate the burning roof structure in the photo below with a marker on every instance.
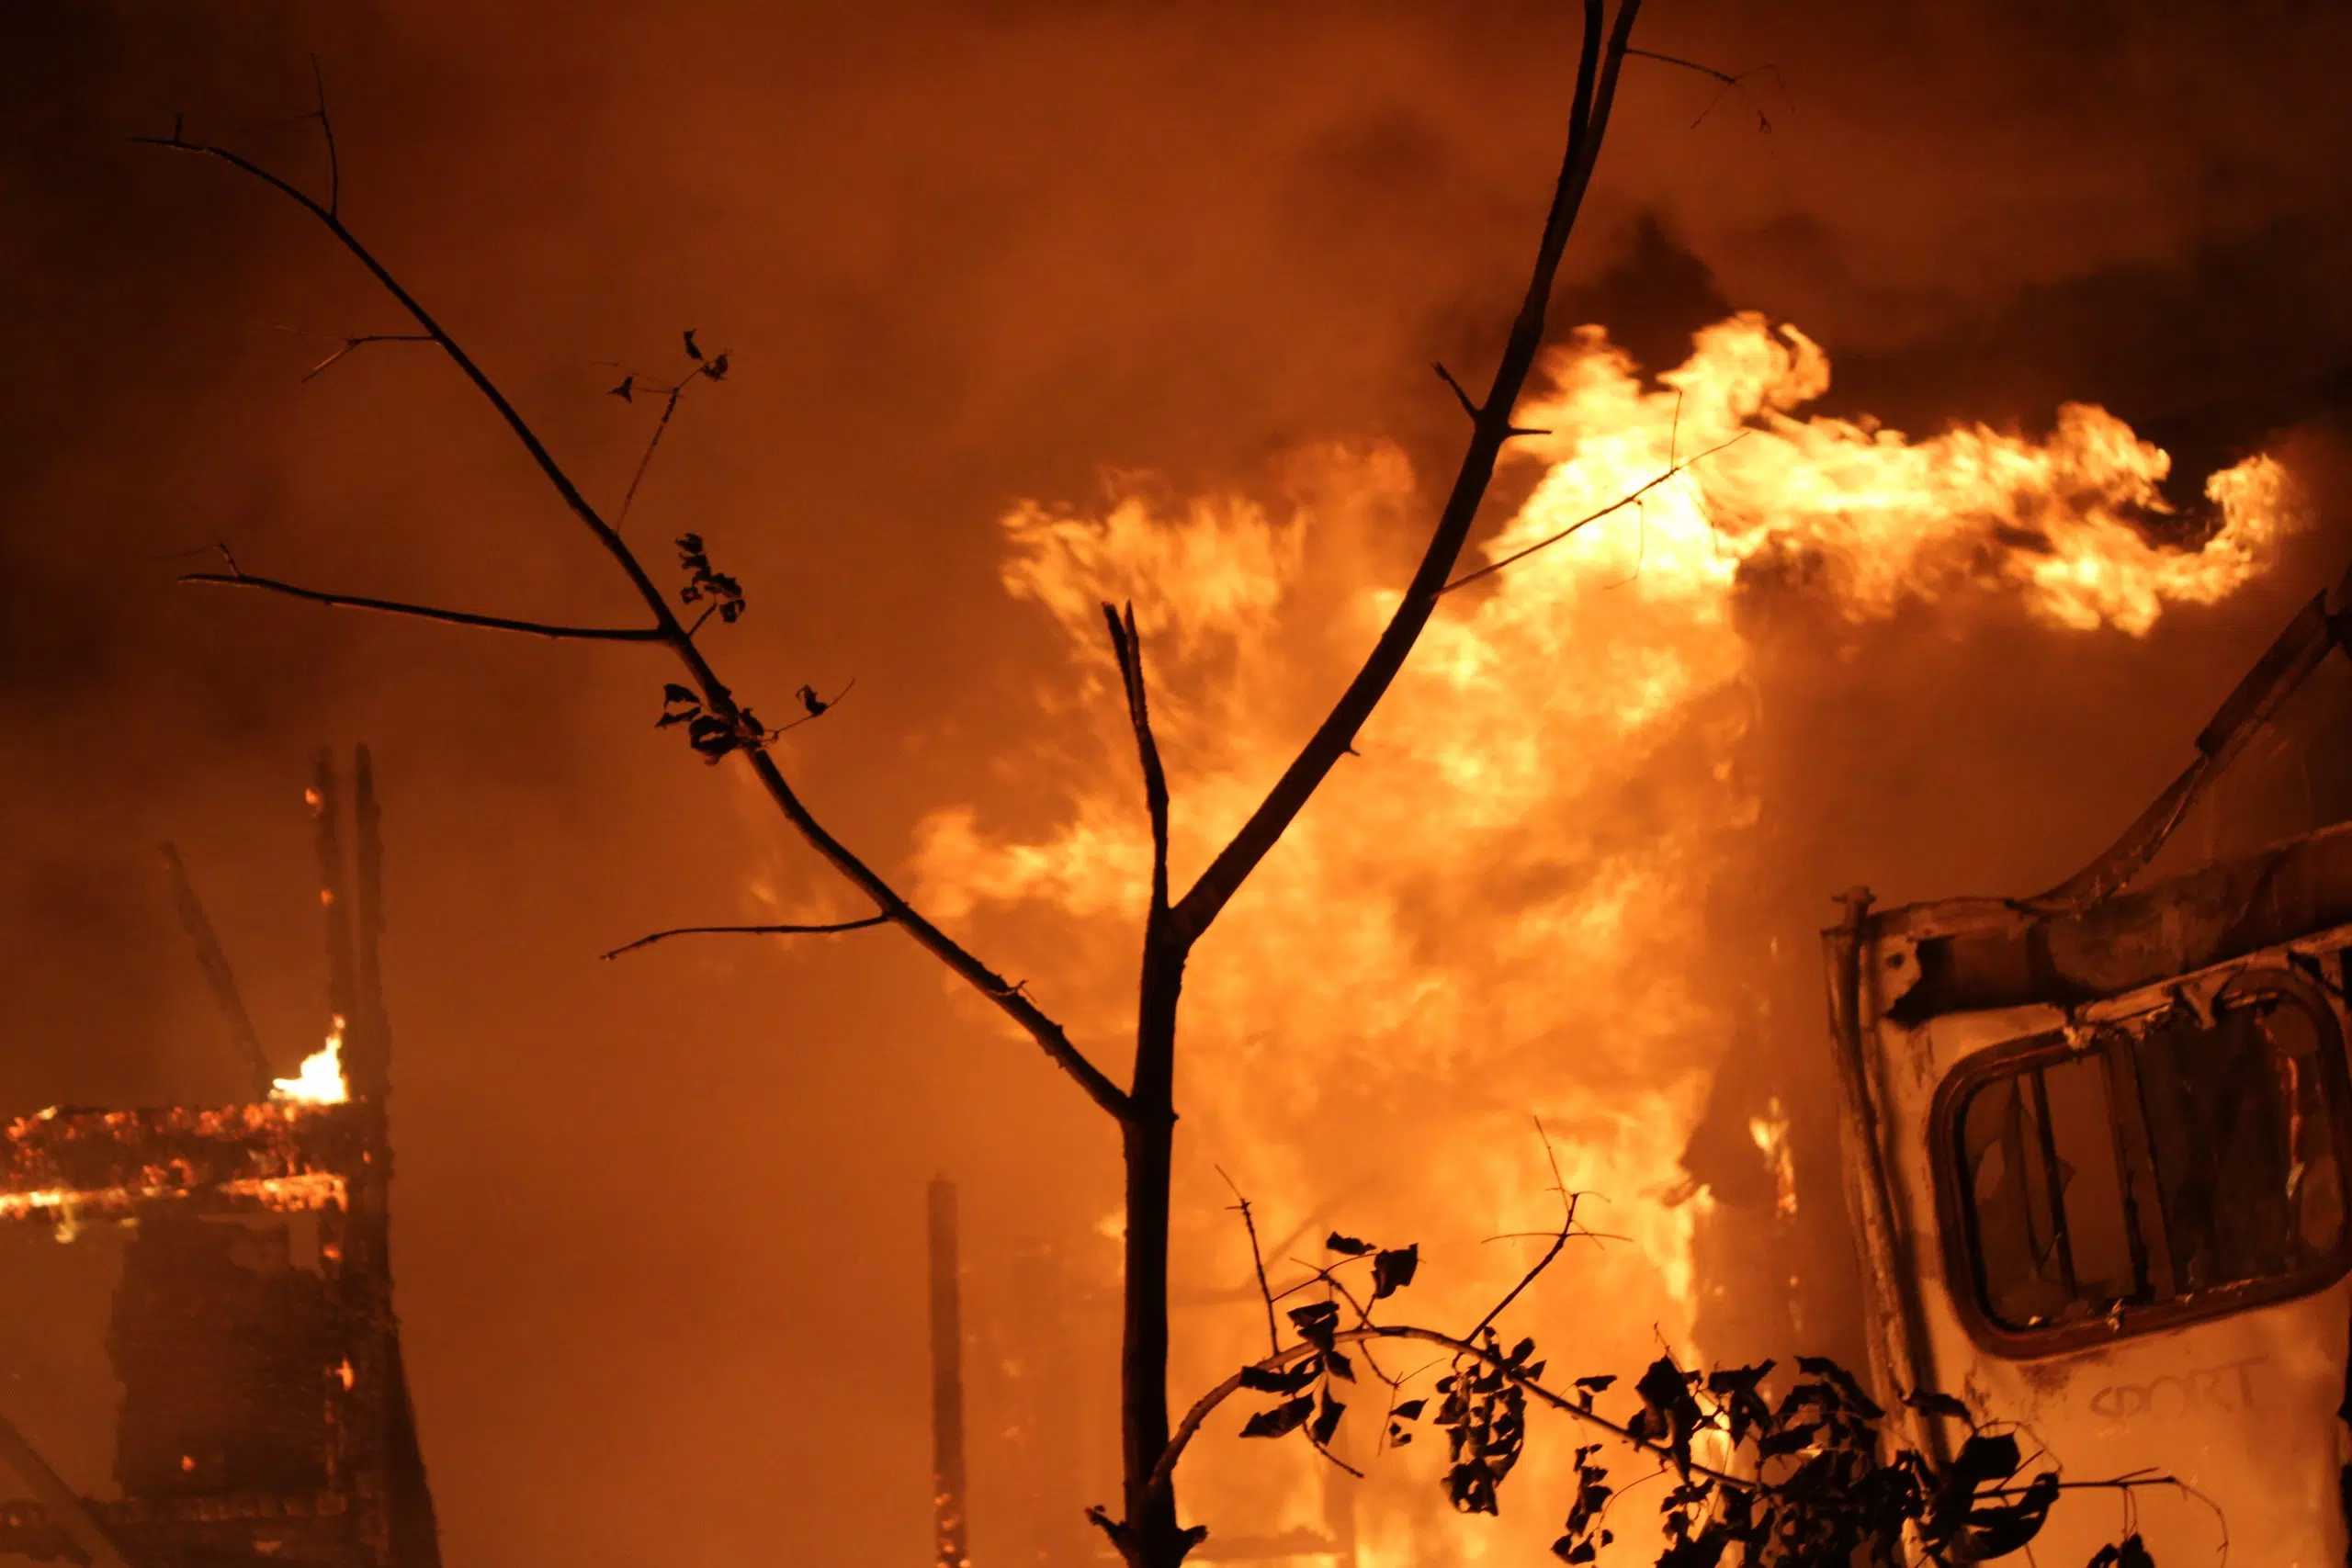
{"x":265,"y":1412}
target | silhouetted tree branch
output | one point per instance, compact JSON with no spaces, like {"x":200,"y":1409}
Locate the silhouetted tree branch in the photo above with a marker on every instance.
{"x":830,"y":929}
{"x":736,"y":727}
{"x":426,"y":612}
{"x":1596,"y":92}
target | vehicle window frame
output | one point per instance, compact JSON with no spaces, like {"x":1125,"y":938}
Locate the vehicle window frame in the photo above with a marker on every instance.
{"x":1964,"y":1285}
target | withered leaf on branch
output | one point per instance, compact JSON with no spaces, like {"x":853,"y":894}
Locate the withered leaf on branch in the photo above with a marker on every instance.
{"x":1283,"y":1380}
{"x":1928,"y":1402}
{"x":692,"y":352}
{"x":1394,"y":1269}
{"x":624,"y":391}
{"x":1316,"y":1323}
{"x":1281,"y":1420}
{"x":1327,"y":1419}
{"x":1348,"y":1245}
{"x":1822,"y":1367}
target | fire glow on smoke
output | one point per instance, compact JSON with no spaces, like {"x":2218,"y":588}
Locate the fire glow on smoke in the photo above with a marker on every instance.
{"x":1490,"y":915}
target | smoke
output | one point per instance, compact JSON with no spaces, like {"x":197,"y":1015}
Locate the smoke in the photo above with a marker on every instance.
{"x":661,"y":1219}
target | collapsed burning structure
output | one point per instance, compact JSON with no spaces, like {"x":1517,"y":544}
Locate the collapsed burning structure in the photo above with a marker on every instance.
{"x":265,"y":1415}
{"x":2096,"y":1142}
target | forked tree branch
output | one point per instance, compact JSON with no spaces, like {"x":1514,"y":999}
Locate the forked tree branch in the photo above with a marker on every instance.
{"x":1728,"y":81}
{"x":1126,"y":646}
{"x":427,"y":612}
{"x":1597,"y":72}
{"x":1009,"y":999}
{"x":360,"y":341}
{"x":826,"y":929}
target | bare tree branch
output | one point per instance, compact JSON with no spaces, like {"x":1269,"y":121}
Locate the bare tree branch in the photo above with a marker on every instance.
{"x":1460,"y":396}
{"x":427,"y":612}
{"x":1559,"y":1238}
{"x":360,"y":341}
{"x":326,"y":129}
{"x":1258,"y":1261}
{"x":1730,"y":83}
{"x":1126,"y":646}
{"x":1628,"y":499}
{"x":827,"y":930}
{"x":1597,"y":75}
{"x":1009,"y":999}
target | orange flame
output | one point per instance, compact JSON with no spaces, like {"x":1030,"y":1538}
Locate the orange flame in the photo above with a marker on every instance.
{"x":321,"y":1081}
{"x":1494,"y":909}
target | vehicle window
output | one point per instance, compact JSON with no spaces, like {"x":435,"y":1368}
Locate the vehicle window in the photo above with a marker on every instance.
{"x":2175,"y":1155}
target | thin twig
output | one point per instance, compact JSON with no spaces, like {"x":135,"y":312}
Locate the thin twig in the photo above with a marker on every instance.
{"x":427,"y":612}
{"x":315,"y":371}
{"x":1126,"y":646}
{"x":1729,"y":82}
{"x":1623,"y":502}
{"x":1559,"y":1239}
{"x":669,"y":407}
{"x":1460,"y":396}
{"x":326,"y":128}
{"x":823,"y":706}
{"x":827,"y":930}
{"x":1258,"y":1260}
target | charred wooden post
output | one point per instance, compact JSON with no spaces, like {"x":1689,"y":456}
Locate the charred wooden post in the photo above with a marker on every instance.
{"x":415,"y":1536}
{"x":326,"y":812}
{"x":367,"y":1055}
{"x":951,"y":1534}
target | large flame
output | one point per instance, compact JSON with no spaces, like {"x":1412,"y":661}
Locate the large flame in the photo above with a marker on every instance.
{"x":321,"y":1081}
{"x":1496,"y":911}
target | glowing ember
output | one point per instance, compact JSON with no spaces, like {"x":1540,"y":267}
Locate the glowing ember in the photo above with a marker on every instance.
{"x":321,"y":1081}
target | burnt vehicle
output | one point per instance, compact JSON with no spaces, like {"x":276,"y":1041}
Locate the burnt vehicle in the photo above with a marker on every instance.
{"x":261,"y":1411}
{"x":2096,"y":1144}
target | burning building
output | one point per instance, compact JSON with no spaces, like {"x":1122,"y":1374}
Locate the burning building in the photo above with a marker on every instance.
{"x":1576,"y":873}
{"x":264,"y":1413}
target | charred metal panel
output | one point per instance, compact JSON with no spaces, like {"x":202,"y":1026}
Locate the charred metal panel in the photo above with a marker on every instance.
{"x":2227,"y":1374}
{"x":1980,"y":955}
